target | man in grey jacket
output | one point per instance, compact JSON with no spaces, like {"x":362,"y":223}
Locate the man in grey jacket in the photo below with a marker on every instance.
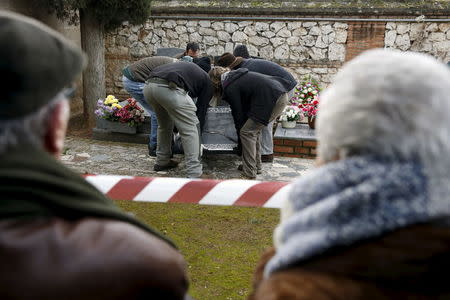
{"x":133,"y":79}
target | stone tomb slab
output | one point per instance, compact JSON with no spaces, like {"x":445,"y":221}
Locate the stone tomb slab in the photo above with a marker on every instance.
{"x":295,"y":142}
{"x":219,"y":133}
{"x":300,"y":132}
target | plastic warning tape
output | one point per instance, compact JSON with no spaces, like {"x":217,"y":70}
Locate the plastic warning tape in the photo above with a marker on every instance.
{"x":199,"y":191}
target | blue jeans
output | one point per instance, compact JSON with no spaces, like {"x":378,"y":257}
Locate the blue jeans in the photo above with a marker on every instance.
{"x":136,"y":90}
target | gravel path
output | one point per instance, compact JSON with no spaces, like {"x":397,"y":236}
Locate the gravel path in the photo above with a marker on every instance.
{"x":111,"y":158}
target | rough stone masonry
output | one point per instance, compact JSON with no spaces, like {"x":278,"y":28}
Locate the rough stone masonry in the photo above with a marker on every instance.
{"x":313,"y":48}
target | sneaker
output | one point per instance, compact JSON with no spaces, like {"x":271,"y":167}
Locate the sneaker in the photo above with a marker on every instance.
{"x":172,"y":164}
{"x":241,"y":167}
{"x":267,"y":158}
{"x":151,"y":151}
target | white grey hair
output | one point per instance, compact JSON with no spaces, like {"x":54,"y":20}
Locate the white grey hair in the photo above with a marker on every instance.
{"x":389,"y":103}
{"x":29,"y":130}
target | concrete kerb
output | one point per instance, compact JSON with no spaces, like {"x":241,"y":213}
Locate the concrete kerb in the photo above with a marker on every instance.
{"x":252,"y":193}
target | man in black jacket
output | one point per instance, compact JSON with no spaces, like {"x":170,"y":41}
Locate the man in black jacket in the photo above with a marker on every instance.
{"x":170,"y":89}
{"x":268,"y":68}
{"x":255,"y":100}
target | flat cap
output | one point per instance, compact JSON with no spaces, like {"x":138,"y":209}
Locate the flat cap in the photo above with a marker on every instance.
{"x":36,"y":63}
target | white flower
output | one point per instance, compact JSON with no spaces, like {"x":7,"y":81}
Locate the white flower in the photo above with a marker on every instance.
{"x":314,"y":92}
{"x":302,"y":95}
{"x":309,"y":89}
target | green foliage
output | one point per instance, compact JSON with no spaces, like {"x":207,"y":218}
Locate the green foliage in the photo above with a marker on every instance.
{"x":110,"y":13}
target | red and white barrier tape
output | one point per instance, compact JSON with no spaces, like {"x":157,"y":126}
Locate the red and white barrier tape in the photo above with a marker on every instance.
{"x":182,"y":190}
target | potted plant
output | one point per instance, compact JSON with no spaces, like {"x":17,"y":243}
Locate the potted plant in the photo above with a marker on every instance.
{"x":306,"y":98}
{"x":290,"y":116}
{"x":115,"y":117}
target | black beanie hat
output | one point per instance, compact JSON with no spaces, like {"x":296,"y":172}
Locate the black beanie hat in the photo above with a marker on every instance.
{"x":204,"y":63}
{"x":242,"y":51}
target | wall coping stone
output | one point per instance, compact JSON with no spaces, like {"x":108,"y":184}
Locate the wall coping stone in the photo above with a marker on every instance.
{"x":304,"y":7}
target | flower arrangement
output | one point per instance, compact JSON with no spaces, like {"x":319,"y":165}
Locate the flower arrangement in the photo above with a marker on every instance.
{"x":291,"y":113}
{"x":306,"y":97}
{"x":111,"y":110}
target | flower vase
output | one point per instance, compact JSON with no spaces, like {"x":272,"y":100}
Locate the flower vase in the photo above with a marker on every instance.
{"x":288,"y":124}
{"x":312,"y":122}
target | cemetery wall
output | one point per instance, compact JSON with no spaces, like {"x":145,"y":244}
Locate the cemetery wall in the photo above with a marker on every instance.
{"x":304,"y":47}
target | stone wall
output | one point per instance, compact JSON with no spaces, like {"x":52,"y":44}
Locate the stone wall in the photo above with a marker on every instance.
{"x":304,"y":48}
{"x":431,"y":38}
{"x":316,"y":48}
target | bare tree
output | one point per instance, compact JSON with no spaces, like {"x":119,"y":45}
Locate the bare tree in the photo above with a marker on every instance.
{"x":95,"y":18}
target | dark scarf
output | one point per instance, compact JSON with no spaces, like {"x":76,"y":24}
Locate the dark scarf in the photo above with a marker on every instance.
{"x":34,"y":184}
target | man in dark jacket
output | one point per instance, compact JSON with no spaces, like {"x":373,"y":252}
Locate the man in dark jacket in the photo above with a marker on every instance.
{"x":60,"y":238}
{"x":266,"y":67}
{"x":170,"y":90}
{"x":255,"y":100}
{"x":133,"y":79}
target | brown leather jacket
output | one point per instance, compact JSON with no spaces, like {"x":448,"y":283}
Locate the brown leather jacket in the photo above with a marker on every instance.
{"x":90,"y":258}
{"x":410,"y":263}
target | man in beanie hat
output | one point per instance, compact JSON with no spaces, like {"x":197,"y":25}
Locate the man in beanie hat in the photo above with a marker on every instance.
{"x":60,"y":238}
{"x":266,"y":67}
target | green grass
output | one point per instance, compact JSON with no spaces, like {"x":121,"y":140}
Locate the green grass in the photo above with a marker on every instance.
{"x":221,"y":244}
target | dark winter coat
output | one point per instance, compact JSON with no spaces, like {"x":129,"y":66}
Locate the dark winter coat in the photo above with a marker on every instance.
{"x":409,"y":263}
{"x":192,"y":79}
{"x":61,"y":238}
{"x":251,"y":95}
{"x":269,"y":68}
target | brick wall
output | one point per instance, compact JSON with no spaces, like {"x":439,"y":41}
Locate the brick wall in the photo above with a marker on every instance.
{"x":363,"y":36}
{"x":294,"y":148}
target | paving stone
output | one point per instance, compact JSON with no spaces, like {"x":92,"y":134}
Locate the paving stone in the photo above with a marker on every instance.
{"x":114,"y":158}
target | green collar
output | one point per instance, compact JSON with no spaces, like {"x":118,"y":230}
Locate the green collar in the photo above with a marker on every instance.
{"x":34,"y":184}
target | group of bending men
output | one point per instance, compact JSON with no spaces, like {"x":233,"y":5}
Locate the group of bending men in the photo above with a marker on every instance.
{"x":177,"y":93}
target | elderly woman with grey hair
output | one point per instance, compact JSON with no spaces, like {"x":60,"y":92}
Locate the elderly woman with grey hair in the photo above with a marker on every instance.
{"x":372,"y":221}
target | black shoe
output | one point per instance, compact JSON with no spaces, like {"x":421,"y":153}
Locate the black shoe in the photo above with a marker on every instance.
{"x":268,"y":158}
{"x":172,"y":164}
{"x":241,"y":167}
{"x":151,"y":151}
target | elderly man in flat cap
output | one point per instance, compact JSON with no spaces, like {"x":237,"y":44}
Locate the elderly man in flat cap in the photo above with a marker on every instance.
{"x":60,"y":238}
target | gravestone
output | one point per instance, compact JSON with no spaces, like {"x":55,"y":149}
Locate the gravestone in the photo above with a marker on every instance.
{"x":219,"y":134}
{"x":171,"y":52}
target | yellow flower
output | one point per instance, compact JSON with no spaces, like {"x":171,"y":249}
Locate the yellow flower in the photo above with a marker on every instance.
{"x":116,"y":105}
{"x":110,"y":100}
